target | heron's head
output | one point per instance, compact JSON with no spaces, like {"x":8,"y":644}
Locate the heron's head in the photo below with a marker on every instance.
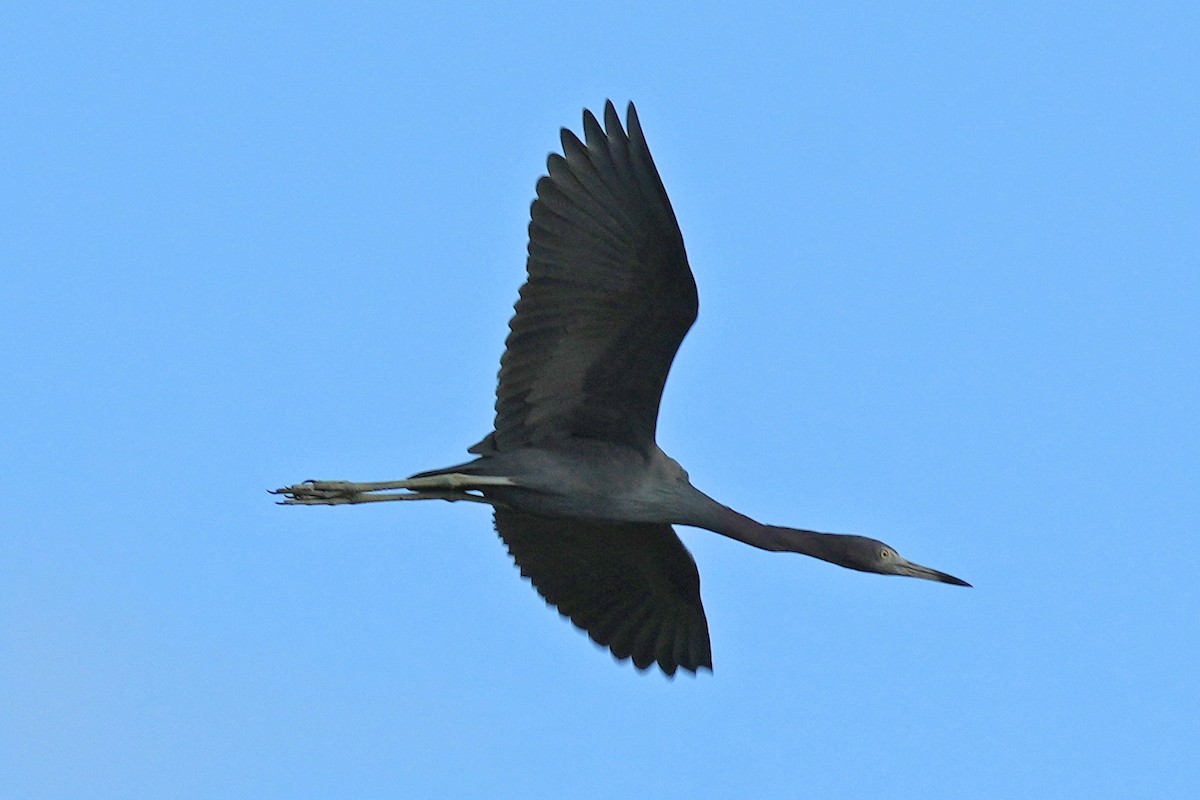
{"x":870,"y":555}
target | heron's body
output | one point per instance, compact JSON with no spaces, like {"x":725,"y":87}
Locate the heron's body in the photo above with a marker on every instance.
{"x":588,"y":479}
{"x":584,"y":498}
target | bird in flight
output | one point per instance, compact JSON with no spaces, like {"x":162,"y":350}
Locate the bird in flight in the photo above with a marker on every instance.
{"x":582,"y":496}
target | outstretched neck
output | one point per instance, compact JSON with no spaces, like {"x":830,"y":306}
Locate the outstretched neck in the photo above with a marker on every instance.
{"x":727,"y":522}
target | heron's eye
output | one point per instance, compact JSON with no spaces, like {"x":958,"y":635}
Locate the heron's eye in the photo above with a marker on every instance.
{"x":885,"y":553}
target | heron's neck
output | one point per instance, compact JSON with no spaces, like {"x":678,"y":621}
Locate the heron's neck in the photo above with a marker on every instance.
{"x":727,"y":522}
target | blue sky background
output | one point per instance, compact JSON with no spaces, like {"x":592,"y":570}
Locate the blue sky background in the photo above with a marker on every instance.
{"x":949,"y":274}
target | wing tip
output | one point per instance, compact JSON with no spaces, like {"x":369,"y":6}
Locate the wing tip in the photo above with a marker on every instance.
{"x":669,"y":668}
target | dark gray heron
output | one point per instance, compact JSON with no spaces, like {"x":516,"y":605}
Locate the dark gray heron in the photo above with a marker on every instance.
{"x":582,"y":495}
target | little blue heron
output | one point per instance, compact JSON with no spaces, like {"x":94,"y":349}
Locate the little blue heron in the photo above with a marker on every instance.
{"x":582,"y":495}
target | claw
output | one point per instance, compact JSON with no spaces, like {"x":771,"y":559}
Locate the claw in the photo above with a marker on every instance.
{"x":317,"y":493}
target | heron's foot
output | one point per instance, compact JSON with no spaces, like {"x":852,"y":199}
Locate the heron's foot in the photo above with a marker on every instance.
{"x":320,"y":493}
{"x":452,"y":487}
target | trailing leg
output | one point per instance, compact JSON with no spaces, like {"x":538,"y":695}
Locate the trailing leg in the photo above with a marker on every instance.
{"x":451,"y":487}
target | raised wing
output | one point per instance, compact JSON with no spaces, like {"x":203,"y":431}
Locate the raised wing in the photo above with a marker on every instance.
{"x":633,"y":587}
{"x":608,"y":300}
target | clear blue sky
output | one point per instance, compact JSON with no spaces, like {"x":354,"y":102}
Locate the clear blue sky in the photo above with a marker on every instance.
{"x":949,"y":265}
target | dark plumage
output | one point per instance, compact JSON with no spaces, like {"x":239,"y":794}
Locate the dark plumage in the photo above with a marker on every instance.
{"x":584,"y":498}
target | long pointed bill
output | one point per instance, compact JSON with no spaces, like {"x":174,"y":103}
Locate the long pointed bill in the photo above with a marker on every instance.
{"x":918,"y":571}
